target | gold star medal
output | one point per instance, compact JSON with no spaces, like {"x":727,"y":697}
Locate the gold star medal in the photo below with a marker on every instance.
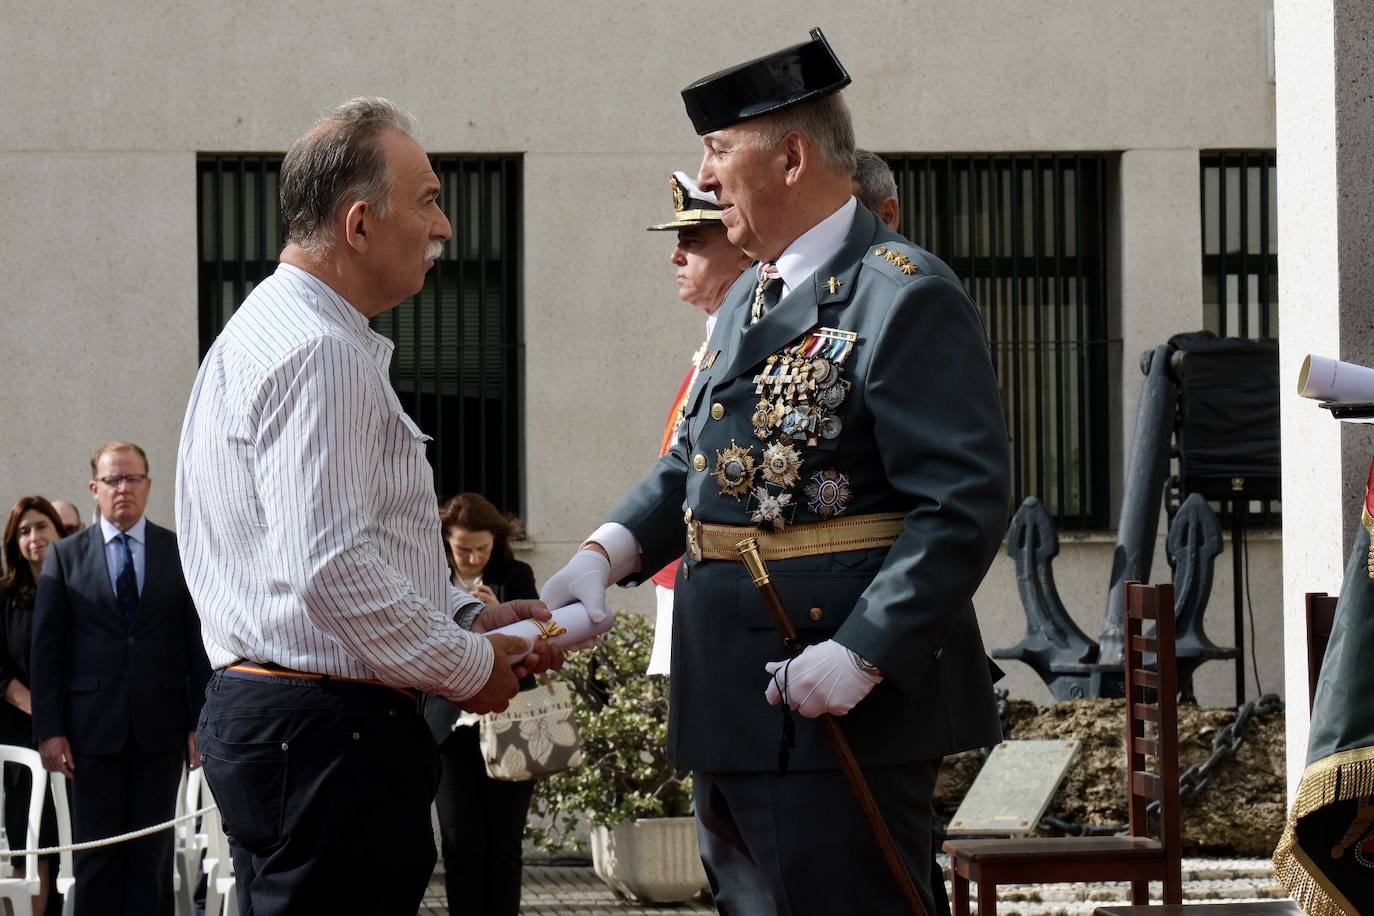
{"x":735,"y":470}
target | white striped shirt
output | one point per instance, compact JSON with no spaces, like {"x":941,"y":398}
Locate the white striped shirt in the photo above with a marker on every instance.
{"x":306,"y":514}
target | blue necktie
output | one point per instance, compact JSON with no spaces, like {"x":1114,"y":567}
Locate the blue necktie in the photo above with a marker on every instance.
{"x":126,"y":583}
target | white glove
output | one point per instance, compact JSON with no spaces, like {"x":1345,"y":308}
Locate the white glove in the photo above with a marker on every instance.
{"x":584,"y":579}
{"x":825,"y":679}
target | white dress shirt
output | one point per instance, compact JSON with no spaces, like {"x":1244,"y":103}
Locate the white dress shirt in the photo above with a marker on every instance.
{"x":114,"y":551}
{"x":306,"y":516}
{"x":796,"y":264}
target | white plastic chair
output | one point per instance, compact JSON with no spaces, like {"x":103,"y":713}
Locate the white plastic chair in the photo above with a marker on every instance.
{"x":66,"y":877}
{"x":220,"y":889}
{"x":185,"y":851}
{"x":21,"y":891}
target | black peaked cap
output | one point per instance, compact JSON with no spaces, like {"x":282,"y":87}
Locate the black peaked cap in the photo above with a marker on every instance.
{"x":797,"y":74}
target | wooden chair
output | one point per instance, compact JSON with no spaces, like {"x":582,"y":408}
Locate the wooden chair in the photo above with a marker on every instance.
{"x":1136,"y":858}
{"x":1321,"y":617}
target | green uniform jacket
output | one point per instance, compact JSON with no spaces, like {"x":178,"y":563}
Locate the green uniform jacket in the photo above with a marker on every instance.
{"x":920,"y":431}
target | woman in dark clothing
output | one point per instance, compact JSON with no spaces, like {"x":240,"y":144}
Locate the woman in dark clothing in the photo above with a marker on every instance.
{"x":481,"y":820}
{"x":33,"y":525}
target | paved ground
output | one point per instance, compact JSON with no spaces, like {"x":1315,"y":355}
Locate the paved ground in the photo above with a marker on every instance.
{"x":574,"y":890}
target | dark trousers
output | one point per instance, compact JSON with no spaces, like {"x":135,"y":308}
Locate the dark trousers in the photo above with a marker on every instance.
{"x":481,"y":826}
{"x":113,"y":794}
{"x":324,"y":790}
{"x":798,"y":845}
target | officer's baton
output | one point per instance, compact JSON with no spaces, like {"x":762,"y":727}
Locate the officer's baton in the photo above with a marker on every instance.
{"x":749,"y":553}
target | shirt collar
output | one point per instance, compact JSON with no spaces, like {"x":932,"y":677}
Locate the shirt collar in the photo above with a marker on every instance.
{"x":135,"y":532}
{"x":337,"y":311}
{"x":814,"y":247}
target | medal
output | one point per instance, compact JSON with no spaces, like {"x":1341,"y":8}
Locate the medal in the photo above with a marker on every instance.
{"x":781,"y":464}
{"x":769,"y":509}
{"x":735,"y":470}
{"x":828,"y":494}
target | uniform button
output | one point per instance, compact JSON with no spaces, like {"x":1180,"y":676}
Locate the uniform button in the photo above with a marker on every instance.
{"x":699,"y":461}
{"x":817,"y":613}
{"x":284,"y":745}
{"x":356,"y":736}
{"x":717,"y":410}
{"x":391,"y":712}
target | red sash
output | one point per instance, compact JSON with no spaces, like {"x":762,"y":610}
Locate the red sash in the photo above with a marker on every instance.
{"x":668,"y":574}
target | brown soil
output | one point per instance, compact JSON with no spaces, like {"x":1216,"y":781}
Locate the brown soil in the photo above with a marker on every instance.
{"x":1241,"y":812}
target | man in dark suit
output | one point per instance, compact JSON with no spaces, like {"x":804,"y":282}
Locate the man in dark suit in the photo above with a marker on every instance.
{"x":847,"y":415}
{"x":119,"y":678}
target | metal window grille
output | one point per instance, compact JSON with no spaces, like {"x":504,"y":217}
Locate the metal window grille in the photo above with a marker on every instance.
{"x":458,"y":366}
{"x":1240,"y":244}
{"x":1240,"y":265}
{"x":1027,"y":234}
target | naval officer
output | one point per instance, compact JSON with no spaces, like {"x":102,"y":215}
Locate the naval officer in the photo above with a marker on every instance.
{"x":845,"y":413}
{"x":705,"y":266}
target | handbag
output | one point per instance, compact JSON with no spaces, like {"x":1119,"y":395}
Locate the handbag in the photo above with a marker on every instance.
{"x":534,"y":736}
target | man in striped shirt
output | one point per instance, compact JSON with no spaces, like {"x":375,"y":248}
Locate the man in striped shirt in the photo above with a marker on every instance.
{"x":311,"y":543}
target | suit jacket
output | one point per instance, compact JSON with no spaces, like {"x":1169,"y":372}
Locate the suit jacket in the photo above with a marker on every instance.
{"x":509,"y":580}
{"x":97,"y":681}
{"x":921,"y":432}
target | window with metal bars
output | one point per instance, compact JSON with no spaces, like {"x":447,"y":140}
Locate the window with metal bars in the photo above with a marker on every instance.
{"x":1240,"y":244}
{"x":458,"y":363}
{"x":1240,"y":264}
{"x":1027,"y":234}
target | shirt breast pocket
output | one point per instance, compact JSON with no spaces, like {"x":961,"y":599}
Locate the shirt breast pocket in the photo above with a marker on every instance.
{"x":409,"y":491}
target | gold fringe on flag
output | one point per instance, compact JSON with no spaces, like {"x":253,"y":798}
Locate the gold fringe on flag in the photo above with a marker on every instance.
{"x":1368,"y":521}
{"x":1346,"y":776}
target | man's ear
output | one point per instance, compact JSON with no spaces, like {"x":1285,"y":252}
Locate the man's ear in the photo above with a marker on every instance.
{"x":890,"y":213}
{"x":356,"y":222}
{"x":797,"y":150}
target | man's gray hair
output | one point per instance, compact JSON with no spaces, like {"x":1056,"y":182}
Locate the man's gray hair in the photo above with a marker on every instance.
{"x":337,"y":163}
{"x":874,"y":179}
{"x":824,"y":121}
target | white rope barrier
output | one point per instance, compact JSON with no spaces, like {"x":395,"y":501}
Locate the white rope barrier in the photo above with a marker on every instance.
{"x":111,"y":840}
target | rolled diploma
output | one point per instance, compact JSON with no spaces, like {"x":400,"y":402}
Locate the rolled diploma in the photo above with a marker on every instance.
{"x":570,"y":625}
{"x":1329,"y":379}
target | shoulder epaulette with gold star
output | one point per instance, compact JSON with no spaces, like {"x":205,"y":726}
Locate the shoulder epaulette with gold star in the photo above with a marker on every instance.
{"x":901,"y":261}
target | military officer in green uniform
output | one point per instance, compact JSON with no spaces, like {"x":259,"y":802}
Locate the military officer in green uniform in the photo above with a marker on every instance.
{"x":846,"y":414}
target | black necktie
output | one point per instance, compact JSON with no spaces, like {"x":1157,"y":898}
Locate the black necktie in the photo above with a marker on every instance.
{"x":126,"y":583}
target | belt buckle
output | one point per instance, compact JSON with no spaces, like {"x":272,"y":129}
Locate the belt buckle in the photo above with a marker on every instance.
{"x":693,"y":537}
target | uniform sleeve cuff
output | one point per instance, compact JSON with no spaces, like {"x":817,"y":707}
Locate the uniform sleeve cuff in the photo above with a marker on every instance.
{"x":620,"y":545}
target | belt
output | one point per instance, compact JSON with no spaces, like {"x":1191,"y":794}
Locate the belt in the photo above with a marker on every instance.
{"x":709,"y":541}
{"x":252,"y":670}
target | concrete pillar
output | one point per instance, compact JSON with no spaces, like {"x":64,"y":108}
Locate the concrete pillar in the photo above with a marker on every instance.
{"x":1325,"y":116}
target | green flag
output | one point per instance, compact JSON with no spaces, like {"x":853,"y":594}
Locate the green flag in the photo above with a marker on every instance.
{"x":1325,"y":858}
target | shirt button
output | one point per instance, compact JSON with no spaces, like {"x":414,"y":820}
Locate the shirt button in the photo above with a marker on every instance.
{"x":817,"y":613}
{"x":284,"y":745}
{"x":699,"y":462}
{"x":356,"y":736}
{"x":717,"y":410}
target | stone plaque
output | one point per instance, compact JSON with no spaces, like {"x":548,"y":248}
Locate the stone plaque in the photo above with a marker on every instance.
{"x":1013,"y":788}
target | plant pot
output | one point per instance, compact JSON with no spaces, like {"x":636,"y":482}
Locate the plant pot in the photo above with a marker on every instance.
{"x":651,"y":860}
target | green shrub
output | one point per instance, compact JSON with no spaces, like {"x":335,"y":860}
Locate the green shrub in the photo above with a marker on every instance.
{"x":622,"y":719}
